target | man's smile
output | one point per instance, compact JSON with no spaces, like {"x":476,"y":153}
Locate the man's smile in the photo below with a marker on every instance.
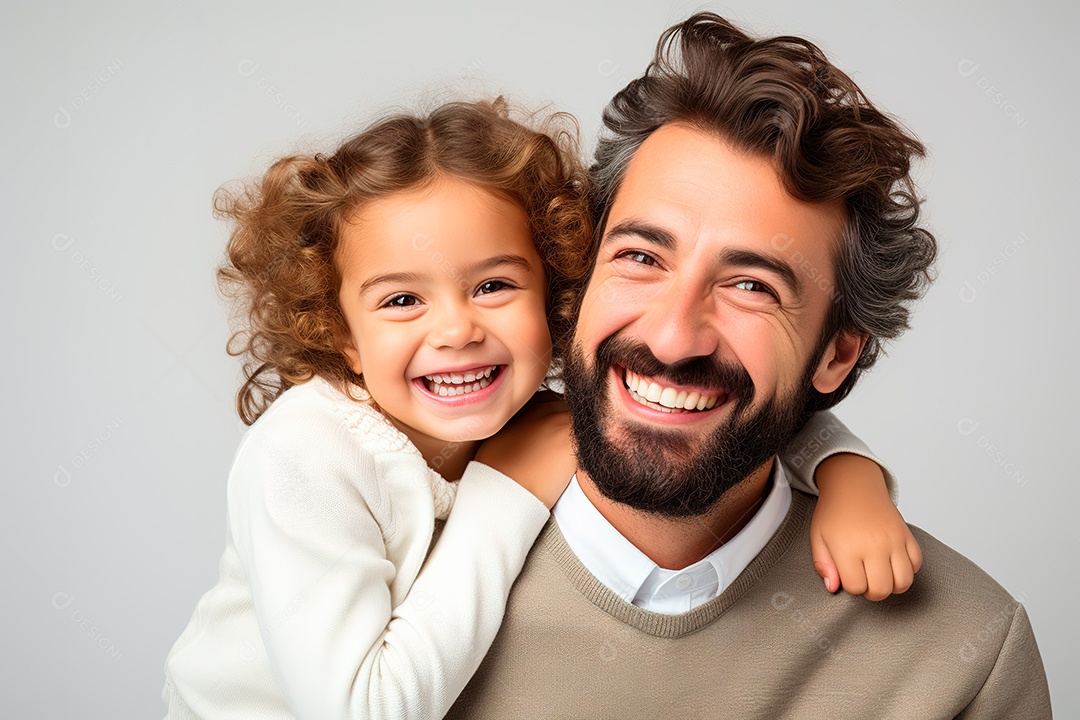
{"x":658,"y":394}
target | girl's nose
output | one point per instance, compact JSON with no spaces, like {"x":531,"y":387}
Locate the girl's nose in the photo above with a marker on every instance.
{"x":455,"y":328}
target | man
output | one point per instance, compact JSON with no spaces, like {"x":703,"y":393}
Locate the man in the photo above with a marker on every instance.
{"x":757,"y":240}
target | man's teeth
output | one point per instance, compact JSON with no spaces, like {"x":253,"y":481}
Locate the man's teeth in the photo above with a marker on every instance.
{"x":451,"y":384}
{"x":648,"y":392}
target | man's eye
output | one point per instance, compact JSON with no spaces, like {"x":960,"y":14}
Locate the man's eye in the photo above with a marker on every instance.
{"x":755,"y":286}
{"x":638,"y":256}
{"x":491,"y":286}
{"x":403,"y":300}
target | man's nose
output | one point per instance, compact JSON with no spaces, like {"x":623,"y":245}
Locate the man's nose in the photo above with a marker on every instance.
{"x":455,"y":326}
{"x":678,"y":323}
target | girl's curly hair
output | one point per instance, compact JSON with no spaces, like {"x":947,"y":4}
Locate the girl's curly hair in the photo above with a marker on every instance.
{"x":281,"y":273}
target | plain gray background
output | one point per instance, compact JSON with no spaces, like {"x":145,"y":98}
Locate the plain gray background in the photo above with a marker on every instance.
{"x":120,"y":120}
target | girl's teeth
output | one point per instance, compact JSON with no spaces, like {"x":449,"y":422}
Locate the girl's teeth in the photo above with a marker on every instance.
{"x":454,"y":384}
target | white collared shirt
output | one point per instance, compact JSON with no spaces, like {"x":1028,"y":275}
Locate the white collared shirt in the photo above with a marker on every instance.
{"x":628,"y":572}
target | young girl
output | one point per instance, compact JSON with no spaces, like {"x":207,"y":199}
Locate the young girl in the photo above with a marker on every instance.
{"x":402,"y":299}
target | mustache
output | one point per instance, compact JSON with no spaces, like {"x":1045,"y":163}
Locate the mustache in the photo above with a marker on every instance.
{"x":704,"y":371}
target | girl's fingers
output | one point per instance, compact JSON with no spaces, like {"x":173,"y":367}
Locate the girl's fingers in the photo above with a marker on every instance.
{"x":824,"y":564}
{"x":879,"y":580}
{"x":903,"y":572}
{"x":914,"y":553}
{"x":853,"y":576}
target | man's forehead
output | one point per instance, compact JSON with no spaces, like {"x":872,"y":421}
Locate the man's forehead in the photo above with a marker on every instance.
{"x":680,"y":151}
{"x":682,"y":178}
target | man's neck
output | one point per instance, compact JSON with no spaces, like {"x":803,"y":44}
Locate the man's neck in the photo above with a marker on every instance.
{"x":674,"y":543}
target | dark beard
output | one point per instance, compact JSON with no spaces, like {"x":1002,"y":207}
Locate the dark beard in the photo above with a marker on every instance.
{"x":662,"y":471}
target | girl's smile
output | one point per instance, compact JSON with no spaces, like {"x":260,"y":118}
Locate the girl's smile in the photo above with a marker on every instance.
{"x":466,"y":385}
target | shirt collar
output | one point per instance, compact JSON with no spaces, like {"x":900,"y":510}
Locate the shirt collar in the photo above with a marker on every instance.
{"x":630,"y":574}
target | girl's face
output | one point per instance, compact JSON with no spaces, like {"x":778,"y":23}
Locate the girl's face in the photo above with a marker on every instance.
{"x":444,"y":296}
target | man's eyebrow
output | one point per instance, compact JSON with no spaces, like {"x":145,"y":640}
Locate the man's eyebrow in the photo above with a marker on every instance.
{"x":636,"y":228}
{"x":749,"y":258}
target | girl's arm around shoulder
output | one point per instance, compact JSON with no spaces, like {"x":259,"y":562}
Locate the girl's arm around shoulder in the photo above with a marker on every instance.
{"x":310,"y":518}
{"x":859,"y":539}
{"x":823,"y":437}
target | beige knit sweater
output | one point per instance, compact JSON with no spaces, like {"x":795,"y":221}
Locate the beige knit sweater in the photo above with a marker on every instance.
{"x":773,"y":645}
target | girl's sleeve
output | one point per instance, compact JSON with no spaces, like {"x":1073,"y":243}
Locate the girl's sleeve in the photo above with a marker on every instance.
{"x":311,"y":541}
{"x":823,"y":436}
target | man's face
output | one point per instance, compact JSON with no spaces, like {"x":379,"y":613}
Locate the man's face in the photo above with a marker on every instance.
{"x":699,"y":335}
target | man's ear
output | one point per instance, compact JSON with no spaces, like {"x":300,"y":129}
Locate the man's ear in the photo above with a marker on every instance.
{"x":839,"y":357}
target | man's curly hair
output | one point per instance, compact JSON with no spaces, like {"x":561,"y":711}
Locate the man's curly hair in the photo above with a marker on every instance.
{"x":780,"y":98}
{"x":281,"y":273}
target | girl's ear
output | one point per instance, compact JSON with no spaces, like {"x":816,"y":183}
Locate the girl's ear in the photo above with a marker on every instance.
{"x":353,"y":357}
{"x":839,"y":357}
{"x":348,"y":349}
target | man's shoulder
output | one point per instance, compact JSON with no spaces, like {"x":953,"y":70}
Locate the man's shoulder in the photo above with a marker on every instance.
{"x":954,"y":607}
{"x":947,"y":577}
{"x":955,"y":628}
{"x":955,"y":597}
{"x":955,"y":577}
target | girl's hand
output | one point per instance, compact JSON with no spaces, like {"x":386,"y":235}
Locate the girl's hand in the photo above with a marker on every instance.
{"x":535,"y":448}
{"x":857,"y":536}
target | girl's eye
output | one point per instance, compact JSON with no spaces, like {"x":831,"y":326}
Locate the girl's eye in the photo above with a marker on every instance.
{"x":491,"y":286}
{"x":402,"y":300}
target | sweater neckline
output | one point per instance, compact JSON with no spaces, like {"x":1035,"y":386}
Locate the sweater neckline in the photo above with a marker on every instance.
{"x":673,"y":626}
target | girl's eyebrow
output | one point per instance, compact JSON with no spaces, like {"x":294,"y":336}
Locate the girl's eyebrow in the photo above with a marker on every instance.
{"x":490,"y":263}
{"x":493,"y":262}
{"x":400,"y":277}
